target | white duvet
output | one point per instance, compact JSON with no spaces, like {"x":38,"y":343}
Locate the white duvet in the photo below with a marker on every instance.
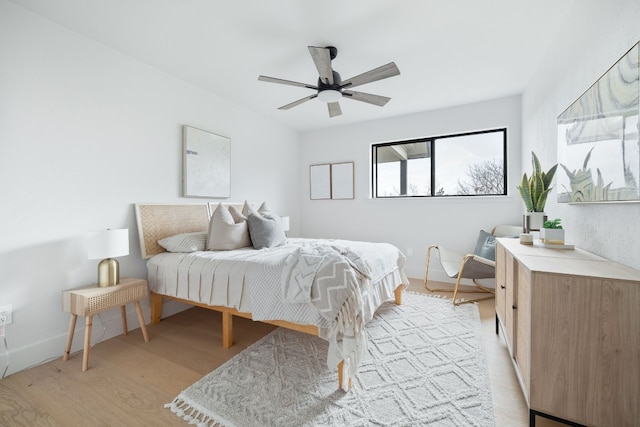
{"x":334,"y":284}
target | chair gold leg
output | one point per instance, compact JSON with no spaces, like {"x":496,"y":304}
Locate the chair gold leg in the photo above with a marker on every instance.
{"x":455,"y":290}
{"x":482,"y":288}
{"x":426,"y":268}
{"x":426,"y":274}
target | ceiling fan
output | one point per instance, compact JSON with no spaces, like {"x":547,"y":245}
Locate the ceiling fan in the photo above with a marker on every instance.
{"x":331,"y":88}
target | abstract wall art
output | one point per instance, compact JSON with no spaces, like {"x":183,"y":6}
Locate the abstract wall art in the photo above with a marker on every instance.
{"x":206,"y":164}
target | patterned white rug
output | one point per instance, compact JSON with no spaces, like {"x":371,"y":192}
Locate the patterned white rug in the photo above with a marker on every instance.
{"x":426,"y":367}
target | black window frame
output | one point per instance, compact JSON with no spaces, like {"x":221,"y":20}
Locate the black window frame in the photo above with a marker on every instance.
{"x":431,"y":140}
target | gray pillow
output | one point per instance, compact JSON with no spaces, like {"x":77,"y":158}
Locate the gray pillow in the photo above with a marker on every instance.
{"x":265,"y":230}
{"x":486,"y":246}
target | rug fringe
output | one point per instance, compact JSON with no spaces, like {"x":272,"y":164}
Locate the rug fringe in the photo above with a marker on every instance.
{"x":193,"y":416}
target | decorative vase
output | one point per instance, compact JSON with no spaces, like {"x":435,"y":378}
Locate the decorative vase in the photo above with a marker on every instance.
{"x":533,"y":221}
{"x":552,"y":236}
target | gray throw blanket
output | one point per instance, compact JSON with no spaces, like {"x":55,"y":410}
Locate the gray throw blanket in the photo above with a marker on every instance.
{"x":332,"y":279}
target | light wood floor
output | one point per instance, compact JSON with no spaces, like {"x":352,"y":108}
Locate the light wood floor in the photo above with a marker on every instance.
{"x":129,"y":381}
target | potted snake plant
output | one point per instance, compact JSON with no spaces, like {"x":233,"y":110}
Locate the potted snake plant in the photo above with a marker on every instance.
{"x":534,"y":190}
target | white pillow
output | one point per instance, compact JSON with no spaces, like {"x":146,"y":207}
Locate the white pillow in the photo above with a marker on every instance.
{"x":237,"y":215}
{"x":263,"y":209}
{"x":225,"y":233}
{"x":185,"y":242}
{"x":247,"y":209}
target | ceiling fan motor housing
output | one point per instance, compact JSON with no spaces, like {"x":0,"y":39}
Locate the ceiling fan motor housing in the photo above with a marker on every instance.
{"x":333,"y":52}
{"x":330,"y":92}
{"x":337,"y":81}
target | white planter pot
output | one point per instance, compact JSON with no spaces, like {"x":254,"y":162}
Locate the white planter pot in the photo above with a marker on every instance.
{"x":533,"y":221}
{"x":554,"y":236}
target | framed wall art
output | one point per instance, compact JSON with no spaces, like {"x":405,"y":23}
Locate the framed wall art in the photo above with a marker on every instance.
{"x":320,"y":181}
{"x":598,"y":138}
{"x":342,"y":180}
{"x":206,"y":169}
{"x":331,"y":181}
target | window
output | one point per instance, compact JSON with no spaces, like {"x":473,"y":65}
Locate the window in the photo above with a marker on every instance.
{"x":468,"y":164}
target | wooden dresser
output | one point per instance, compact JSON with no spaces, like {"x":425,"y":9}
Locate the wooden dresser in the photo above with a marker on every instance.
{"x":571,"y":320}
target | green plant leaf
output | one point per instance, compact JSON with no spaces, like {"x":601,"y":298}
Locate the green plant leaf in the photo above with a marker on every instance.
{"x":526,"y":198}
{"x":537,"y":189}
{"x":553,"y":224}
{"x":542,"y":200}
{"x":548,"y":177}
{"x":537,"y":170}
{"x":525,"y":193}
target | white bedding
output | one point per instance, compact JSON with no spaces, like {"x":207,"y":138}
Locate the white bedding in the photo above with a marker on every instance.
{"x":261,"y":282}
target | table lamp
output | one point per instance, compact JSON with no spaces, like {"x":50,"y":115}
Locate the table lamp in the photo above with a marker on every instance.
{"x":108,"y":244}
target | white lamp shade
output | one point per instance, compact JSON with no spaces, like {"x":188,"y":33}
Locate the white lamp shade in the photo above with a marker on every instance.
{"x":108,"y":243}
{"x":285,"y":223}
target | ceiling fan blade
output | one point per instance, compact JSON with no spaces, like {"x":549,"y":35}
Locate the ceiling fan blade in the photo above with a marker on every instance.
{"x":298,"y":102}
{"x":286,"y":82}
{"x":322,"y":58}
{"x":383,"y":72}
{"x":366,"y":97}
{"x":334,"y":109}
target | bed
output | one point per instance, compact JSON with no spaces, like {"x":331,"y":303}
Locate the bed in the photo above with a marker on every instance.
{"x":329,"y":288}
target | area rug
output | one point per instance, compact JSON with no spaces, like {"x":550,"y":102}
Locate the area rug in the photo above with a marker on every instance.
{"x":426,"y":367}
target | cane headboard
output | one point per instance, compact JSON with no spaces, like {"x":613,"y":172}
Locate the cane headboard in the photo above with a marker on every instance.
{"x":157,"y":221}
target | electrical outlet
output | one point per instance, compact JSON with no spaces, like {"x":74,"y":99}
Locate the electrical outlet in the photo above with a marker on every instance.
{"x":6,"y":314}
{"x":409,"y":251}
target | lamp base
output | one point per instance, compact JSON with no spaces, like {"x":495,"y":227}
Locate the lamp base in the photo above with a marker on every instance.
{"x":108,"y":273}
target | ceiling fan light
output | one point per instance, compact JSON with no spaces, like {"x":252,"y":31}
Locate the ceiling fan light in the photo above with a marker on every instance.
{"x":330,"y":95}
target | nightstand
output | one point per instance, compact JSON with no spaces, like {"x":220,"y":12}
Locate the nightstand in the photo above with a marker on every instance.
{"x":90,"y":300}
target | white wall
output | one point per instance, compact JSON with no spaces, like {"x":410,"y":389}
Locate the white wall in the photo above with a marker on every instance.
{"x":85,"y":133}
{"x":411,"y":224}
{"x":597,"y":34}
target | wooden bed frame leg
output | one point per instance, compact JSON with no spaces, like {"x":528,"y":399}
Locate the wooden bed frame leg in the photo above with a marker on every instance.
{"x":156,"y":308}
{"x":398,"y":295}
{"x":227,"y":329}
{"x":340,"y":376}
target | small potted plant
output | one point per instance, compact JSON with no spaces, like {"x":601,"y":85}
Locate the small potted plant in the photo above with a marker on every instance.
{"x":552,"y":232}
{"x":534,"y":191}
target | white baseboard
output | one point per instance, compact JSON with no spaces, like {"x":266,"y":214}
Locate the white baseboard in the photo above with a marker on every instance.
{"x":108,"y":325}
{"x":105,"y":325}
{"x":434,"y":274}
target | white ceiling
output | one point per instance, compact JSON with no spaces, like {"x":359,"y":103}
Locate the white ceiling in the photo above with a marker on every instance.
{"x":449,"y":52}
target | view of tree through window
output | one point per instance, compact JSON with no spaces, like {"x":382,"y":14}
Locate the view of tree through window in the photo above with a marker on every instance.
{"x":452,"y":165}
